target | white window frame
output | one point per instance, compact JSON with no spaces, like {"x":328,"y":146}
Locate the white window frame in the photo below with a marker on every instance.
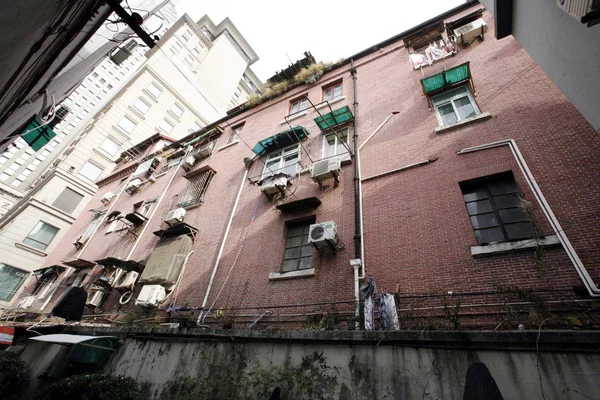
{"x":451,"y":100}
{"x":141,"y":100}
{"x":88,"y":178}
{"x":156,"y":94}
{"x":125,"y":128}
{"x":281,"y":155}
{"x":337,"y":140}
{"x":177,"y":107}
{"x":44,"y":245}
{"x":296,"y":106}
{"x":118,"y":146}
{"x":332,"y":87}
{"x":166,"y":122}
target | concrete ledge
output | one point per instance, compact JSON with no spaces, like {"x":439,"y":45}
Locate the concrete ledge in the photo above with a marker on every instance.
{"x":303,"y":273}
{"x":31,"y":249}
{"x":293,"y":117}
{"x":468,"y":121}
{"x":228,"y":145}
{"x":498,"y":248}
{"x":549,"y":340}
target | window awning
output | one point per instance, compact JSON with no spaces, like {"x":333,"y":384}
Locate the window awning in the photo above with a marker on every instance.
{"x":177,"y":230}
{"x":37,"y":137}
{"x":334,"y":118}
{"x":281,"y":140}
{"x":307,"y":204}
{"x":444,"y":80}
{"x":128,"y":265}
{"x":79,"y":263}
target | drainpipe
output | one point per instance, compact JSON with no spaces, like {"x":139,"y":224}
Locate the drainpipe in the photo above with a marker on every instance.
{"x":591,"y":287}
{"x":217,"y":262}
{"x":357,"y":217}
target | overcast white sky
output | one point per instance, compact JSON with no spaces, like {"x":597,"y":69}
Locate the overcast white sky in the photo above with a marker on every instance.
{"x":330,"y":30}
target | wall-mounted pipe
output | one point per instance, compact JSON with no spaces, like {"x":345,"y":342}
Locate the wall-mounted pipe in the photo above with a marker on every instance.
{"x":217,"y":262}
{"x":539,"y":196}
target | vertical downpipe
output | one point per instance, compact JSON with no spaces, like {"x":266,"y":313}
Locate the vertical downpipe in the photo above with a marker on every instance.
{"x":357,"y":210}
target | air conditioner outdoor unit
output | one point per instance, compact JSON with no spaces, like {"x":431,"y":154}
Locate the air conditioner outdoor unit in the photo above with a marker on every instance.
{"x":133,"y":186}
{"x":95,"y":299}
{"x":107,"y":198}
{"x":27,"y":302}
{"x":204,"y":151}
{"x":467,"y":33}
{"x":325,"y":169}
{"x":175,"y":216}
{"x":126,"y":281}
{"x":188,"y":163}
{"x":576,"y":8}
{"x":274,"y":184}
{"x":150,"y":296}
{"x":323,"y":234}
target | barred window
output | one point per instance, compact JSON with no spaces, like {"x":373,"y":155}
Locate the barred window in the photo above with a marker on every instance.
{"x":195,"y":190}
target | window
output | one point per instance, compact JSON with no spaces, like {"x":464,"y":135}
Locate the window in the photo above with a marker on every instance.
{"x":195,"y":190}
{"x":454,"y":105}
{"x":141,"y":106}
{"x":186,"y":36}
{"x":495,"y":207}
{"x":44,"y":282}
{"x":298,"y":105}
{"x":189,"y":59}
{"x":10,"y":280}
{"x":41,"y":236}
{"x":197,"y":50}
{"x":298,"y":252}
{"x":236,"y":133}
{"x":166,"y":125}
{"x":110,"y":147}
{"x":68,"y":200}
{"x":332,"y":92}
{"x":94,"y":75}
{"x":195,"y":127}
{"x":282,"y":161}
{"x":146,"y":207}
{"x":154,"y":90}
{"x":176,"y":110}
{"x":127,"y":124}
{"x":333,"y":143}
{"x":90,"y":171}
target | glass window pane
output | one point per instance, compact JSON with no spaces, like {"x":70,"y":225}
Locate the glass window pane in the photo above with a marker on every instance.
{"x":293,"y":242}
{"x":289,"y":265}
{"x":10,"y":281}
{"x":127,"y":125}
{"x":110,"y":147}
{"x":479,"y":207}
{"x":306,"y":251}
{"x":447,"y":114}
{"x":305,"y":262}
{"x":491,"y":235}
{"x":166,"y":126}
{"x":41,"y":236}
{"x":294,"y":252}
{"x":507,"y":200}
{"x":141,"y":106}
{"x":474,"y":194}
{"x":484,"y":221}
{"x":519,"y":231}
{"x":464,"y":107}
{"x":449,"y":94}
{"x":513,"y":215}
{"x":295,"y":231}
{"x":337,"y":92}
{"x":90,"y":171}
{"x":68,"y":200}
{"x":502,"y":187}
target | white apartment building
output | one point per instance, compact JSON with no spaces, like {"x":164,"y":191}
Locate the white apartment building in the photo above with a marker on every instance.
{"x":188,"y":80}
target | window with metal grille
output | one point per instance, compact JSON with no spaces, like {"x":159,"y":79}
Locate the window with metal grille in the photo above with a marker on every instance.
{"x":61,"y":114}
{"x":298,"y":252}
{"x":195,"y":190}
{"x":496,"y":209}
{"x":68,"y":200}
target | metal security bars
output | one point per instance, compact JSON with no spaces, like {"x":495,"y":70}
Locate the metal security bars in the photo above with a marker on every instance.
{"x":195,"y":190}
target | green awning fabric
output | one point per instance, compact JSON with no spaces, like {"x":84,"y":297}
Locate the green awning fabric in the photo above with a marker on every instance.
{"x":37,"y":138}
{"x":281,"y":140}
{"x":450,"y":77}
{"x":334,"y":118}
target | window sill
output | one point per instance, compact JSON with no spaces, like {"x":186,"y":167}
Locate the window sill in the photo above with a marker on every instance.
{"x":468,"y":121}
{"x":295,"y":116}
{"x":103,"y":155}
{"x":150,"y":95}
{"x":136,"y":112}
{"x":303,"y":273}
{"x":228,"y":145}
{"x":324,"y":104}
{"x":31,"y":249}
{"x":121,"y":132}
{"x":506,"y":247}
{"x":175,"y":117}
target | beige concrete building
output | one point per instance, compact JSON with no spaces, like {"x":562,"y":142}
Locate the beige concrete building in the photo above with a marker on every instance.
{"x":192,"y":77}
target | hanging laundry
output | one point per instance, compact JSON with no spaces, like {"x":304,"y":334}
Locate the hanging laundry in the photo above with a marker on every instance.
{"x":388,"y":316}
{"x":368,"y":291}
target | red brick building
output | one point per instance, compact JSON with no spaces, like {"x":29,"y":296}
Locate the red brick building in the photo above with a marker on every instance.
{"x":479,"y":195}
